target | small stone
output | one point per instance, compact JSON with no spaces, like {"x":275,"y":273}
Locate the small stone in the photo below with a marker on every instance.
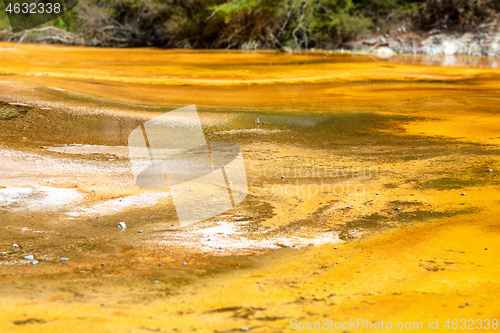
{"x":209,"y":239}
{"x":397,"y":208}
{"x":282,"y":177}
{"x":15,"y":245}
{"x":468,"y":303}
{"x":431,"y":212}
{"x":490,"y":170}
{"x":332,"y":294}
{"x":461,"y":306}
{"x":486,"y":248}
{"x":190,"y":190}
{"x":155,"y":282}
{"x":64,"y":259}
{"x":139,"y":231}
{"x":349,"y":207}
{"x":462,"y":194}
{"x":159,"y":264}
{"x":220,"y":247}
{"x":335,"y":247}
{"x":184,"y":263}
{"x":122,"y":225}
{"x":103,"y":264}
{"x":30,"y":257}
{"x":244,"y":329}
{"x":34,"y":262}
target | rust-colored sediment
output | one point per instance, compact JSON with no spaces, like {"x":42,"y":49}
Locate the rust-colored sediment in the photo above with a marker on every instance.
{"x":426,"y":133}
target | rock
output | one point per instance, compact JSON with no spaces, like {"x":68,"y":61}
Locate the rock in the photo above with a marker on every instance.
{"x":122,"y":225}
{"x":244,"y":329}
{"x":30,"y":257}
{"x":34,"y":262}
{"x":384,"y":51}
{"x":490,"y":170}
{"x":15,"y":245}
{"x":349,"y":207}
{"x":462,"y":194}
{"x":397,"y":208}
{"x":184,"y":263}
{"x":139,"y":231}
{"x":468,"y":303}
{"x":155,"y":282}
{"x":64,"y":259}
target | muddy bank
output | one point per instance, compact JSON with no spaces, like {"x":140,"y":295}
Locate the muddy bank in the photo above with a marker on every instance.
{"x":483,"y":41}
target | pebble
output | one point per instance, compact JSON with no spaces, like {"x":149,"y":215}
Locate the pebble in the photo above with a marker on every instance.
{"x":15,"y":245}
{"x":490,"y":170}
{"x":220,"y":247}
{"x":282,"y":177}
{"x":486,"y":248}
{"x":139,"y":231}
{"x":461,"y":306}
{"x":335,"y":247}
{"x":64,"y":259}
{"x":159,"y":264}
{"x":397,"y":208}
{"x":155,"y":282}
{"x":349,"y":207}
{"x":244,"y":329}
{"x":30,"y":257}
{"x":103,"y":264}
{"x":332,"y":294}
{"x":468,"y":303}
{"x":190,"y":190}
{"x":122,"y":225}
{"x":462,"y":194}
{"x":34,"y":262}
{"x":184,"y":263}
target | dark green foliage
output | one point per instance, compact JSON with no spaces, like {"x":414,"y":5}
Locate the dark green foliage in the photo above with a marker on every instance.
{"x":249,"y":24}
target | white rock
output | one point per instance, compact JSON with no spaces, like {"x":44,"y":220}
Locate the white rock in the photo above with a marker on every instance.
{"x":122,"y":225}
{"x":34,"y":262}
{"x":30,"y":257}
{"x":15,"y":245}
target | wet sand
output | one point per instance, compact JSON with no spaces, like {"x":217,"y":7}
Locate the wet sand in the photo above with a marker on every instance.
{"x":397,"y":140}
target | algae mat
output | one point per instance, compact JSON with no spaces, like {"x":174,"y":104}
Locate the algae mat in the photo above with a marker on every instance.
{"x":373,"y":193}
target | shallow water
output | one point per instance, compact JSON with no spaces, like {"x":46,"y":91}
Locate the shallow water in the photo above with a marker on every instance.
{"x":374,"y":152}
